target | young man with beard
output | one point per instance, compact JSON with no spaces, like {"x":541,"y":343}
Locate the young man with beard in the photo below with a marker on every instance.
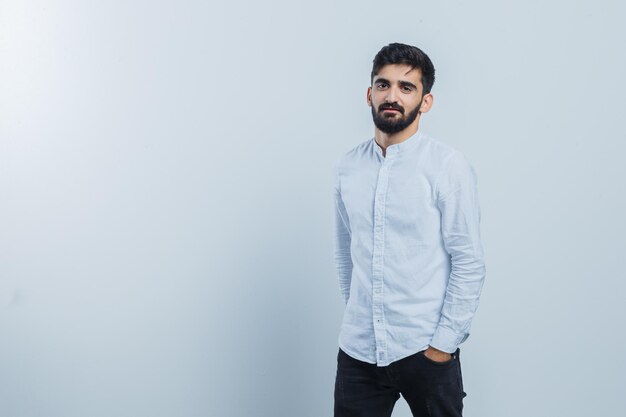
{"x":408,"y":252}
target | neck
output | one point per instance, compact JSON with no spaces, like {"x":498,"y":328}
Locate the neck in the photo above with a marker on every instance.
{"x":385,"y":140}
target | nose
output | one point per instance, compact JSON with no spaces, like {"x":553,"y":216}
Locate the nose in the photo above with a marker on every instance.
{"x":392,"y":95}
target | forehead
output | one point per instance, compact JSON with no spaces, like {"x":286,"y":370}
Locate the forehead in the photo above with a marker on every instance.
{"x":399,"y":72}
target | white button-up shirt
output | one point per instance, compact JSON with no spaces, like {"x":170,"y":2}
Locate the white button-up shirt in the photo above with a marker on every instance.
{"x":407,"y":248}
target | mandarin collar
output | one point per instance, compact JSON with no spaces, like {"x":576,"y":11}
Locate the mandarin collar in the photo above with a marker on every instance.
{"x":398,"y":148}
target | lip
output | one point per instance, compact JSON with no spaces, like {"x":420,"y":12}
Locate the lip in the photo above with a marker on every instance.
{"x":392,"y":110}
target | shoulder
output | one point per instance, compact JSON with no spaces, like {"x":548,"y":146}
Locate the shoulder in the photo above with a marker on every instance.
{"x":454,"y":171}
{"x":440,"y":153}
{"x":443,"y":158}
{"x":353,"y":155}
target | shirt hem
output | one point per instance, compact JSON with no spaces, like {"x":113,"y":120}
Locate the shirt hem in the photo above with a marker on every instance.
{"x":380,"y":364}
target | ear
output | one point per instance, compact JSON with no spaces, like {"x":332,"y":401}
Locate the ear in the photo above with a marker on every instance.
{"x":368,"y":97}
{"x":427,"y":103}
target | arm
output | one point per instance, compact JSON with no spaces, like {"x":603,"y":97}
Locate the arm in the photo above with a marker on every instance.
{"x":343,"y":258}
{"x":457,"y":199}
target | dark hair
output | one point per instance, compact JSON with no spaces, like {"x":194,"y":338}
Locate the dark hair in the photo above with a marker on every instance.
{"x":399,"y":53}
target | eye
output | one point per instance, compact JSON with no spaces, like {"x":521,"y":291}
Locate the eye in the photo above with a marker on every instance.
{"x":381,"y":85}
{"x":407,"y":88}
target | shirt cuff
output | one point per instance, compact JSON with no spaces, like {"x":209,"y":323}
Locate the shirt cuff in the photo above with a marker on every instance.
{"x":446,"y":340}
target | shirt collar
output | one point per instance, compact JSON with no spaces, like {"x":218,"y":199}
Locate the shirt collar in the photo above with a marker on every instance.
{"x":397,"y":148}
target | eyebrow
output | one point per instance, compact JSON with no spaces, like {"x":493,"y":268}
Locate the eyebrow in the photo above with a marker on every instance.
{"x":402,"y":83}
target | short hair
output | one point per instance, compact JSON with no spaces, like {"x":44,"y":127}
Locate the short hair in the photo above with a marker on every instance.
{"x":399,"y":53}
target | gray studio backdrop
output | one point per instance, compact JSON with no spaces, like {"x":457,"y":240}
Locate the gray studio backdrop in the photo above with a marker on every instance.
{"x":166,"y":207}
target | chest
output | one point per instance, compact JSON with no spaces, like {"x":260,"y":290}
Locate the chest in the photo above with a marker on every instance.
{"x":399,"y":192}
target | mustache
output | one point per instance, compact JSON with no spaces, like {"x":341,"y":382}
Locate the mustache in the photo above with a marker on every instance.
{"x":390,"y":106}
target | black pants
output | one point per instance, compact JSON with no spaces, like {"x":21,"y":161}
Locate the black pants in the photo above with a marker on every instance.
{"x":432,"y":389}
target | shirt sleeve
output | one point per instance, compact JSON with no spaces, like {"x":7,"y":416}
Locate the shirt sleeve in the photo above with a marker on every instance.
{"x":457,"y":199}
{"x":343,"y":257}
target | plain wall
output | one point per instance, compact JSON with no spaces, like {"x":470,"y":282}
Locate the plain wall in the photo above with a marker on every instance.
{"x":166,"y":200}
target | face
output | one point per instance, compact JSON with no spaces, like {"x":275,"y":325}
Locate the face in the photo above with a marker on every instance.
{"x":396,"y":97}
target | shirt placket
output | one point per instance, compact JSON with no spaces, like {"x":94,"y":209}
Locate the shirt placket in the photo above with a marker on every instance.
{"x":378,"y":314}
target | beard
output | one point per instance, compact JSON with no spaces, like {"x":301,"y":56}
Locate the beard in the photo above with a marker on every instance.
{"x":392,"y":124}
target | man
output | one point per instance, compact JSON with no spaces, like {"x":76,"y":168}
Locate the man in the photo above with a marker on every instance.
{"x":407,"y":250}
